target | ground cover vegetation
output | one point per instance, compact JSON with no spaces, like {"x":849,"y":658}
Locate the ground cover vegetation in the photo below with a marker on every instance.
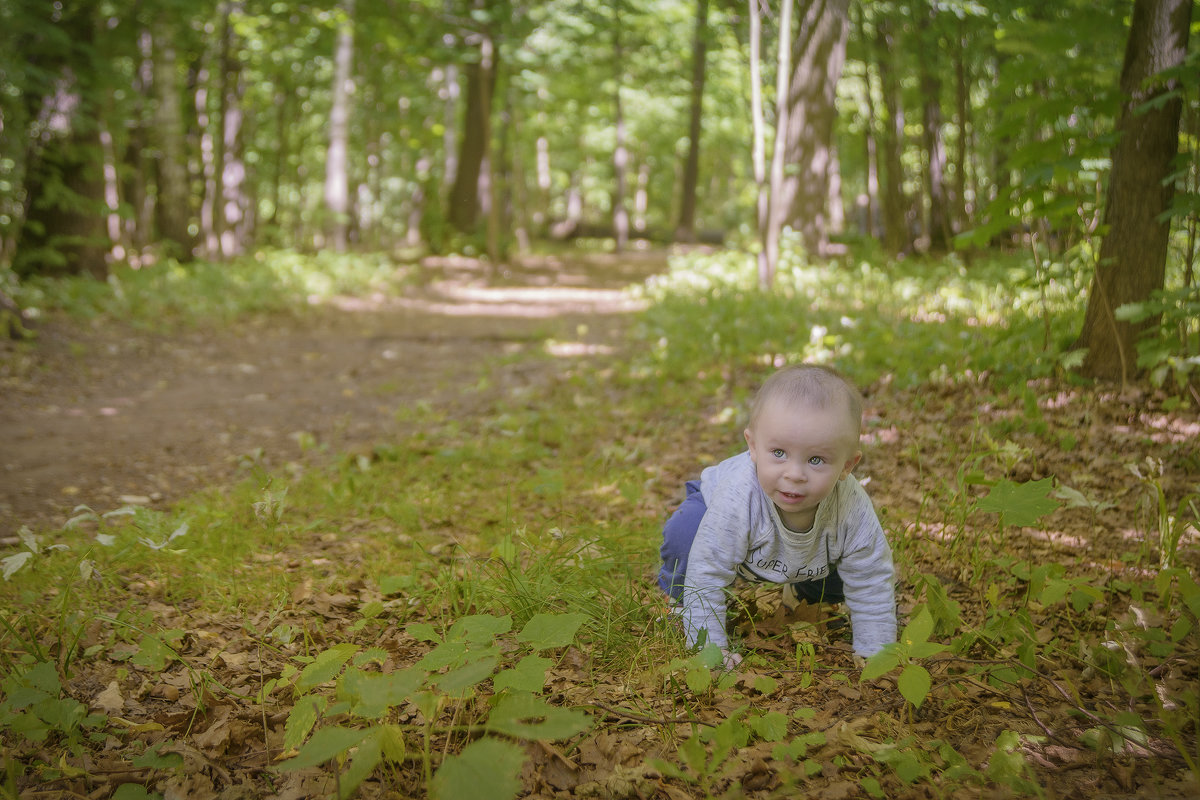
{"x":469,"y":611}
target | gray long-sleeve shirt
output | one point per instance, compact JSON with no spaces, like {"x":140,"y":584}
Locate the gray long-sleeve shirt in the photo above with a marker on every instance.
{"x":742,"y":534}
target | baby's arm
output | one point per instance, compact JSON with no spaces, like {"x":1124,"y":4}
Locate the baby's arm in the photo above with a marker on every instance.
{"x":868,"y":578}
{"x":712,"y":567}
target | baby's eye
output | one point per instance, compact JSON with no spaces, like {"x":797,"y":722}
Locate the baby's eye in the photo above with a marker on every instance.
{"x":816,"y":461}
{"x":778,"y":453}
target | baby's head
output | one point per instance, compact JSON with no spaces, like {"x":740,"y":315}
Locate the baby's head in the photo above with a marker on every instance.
{"x":811,"y":386}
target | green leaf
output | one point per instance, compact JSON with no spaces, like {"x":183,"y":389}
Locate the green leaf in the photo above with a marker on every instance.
{"x":467,"y":676}
{"x":302,"y":718}
{"x":423,"y":632}
{"x":325,"y":667}
{"x":1020,"y":504}
{"x":914,"y":684}
{"x":529,"y":675}
{"x":882,"y":662}
{"x":372,"y":694}
{"x":479,"y":628}
{"x":366,"y":758}
{"x":444,"y":655}
{"x":325,"y":745}
{"x":486,"y":769}
{"x":152,"y":654}
{"x":770,"y":727}
{"x":546,"y":631}
{"x":918,"y":629}
{"x":698,"y":678}
{"x":526,"y":716}
{"x":150,"y":759}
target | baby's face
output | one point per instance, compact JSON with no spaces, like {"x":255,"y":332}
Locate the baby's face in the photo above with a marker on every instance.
{"x":800,"y":453}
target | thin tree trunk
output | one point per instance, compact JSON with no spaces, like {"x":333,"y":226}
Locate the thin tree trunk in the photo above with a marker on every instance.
{"x":777,"y":204}
{"x":337,"y":178}
{"x":686,"y":229}
{"x":463,"y":210}
{"x":1133,"y":253}
{"x":896,"y":237}
{"x":620,"y":153}
{"x":938,"y":226}
{"x":820,"y":52}
{"x":765,"y":268}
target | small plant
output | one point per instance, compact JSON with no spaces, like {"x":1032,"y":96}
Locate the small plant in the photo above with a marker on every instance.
{"x":914,"y":681}
{"x":444,"y":680}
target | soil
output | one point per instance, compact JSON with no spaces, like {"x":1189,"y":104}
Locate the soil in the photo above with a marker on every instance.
{"x":102,"y":415}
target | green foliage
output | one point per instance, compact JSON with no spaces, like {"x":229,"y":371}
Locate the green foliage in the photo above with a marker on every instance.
{"x":34,"y":707}
{"x":171,"y":293}
{"x":447,"y":676}
{"x":914,"y":322}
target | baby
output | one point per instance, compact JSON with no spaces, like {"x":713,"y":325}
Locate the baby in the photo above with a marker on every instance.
{"x":785,"y":511}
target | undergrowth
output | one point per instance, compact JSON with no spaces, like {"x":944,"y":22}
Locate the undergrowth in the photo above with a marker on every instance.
{"x":417,"y":612}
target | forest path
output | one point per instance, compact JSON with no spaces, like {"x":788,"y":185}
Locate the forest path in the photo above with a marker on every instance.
{"x":102,"y":415}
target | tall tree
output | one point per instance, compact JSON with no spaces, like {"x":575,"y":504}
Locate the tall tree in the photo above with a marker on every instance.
{"x":476,"y":130}
{"x":172,"y":206}
{"x":685,"y":230}
{"x":337,"y":168}
{"x":937,"y":222}
{"x":778,"y":201}
{"x":1133,"y":253}
{"x":896,"y":238}
{"x":620,"y":150}
{"x":819,"y":53}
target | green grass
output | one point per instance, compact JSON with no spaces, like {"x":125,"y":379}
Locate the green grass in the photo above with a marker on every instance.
{"x":550,"y":503}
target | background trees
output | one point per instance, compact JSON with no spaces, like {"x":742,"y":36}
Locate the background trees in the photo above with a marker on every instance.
{"x":137,"y":131}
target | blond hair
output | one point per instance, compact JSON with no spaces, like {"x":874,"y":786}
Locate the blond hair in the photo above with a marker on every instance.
{"x":810,"y":385}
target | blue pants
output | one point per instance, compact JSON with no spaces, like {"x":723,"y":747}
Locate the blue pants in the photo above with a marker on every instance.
{"x":680,"y":531}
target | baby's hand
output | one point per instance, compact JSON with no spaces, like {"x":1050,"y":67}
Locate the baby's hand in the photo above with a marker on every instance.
{"x":730,"y":660}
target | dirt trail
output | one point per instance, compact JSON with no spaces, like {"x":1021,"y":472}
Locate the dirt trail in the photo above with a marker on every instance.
{"x":104,"y":416}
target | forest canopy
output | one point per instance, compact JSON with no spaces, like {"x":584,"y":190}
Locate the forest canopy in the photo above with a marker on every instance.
{"x":141,"y":131}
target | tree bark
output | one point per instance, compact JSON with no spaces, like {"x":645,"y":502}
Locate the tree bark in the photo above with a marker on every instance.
{"x":765,"y":268}
{"x":819,"y":54}
{"x":463,"y":210}
{"x":777,"y":202}
{"x":620,"y":151}
{"x":337,"y":175}
{"x":938,"y":224}
{"x":1133,"y":253}
{"x":896,"y":237}
{"x":172,"y":209}
{"x":685,"y":230}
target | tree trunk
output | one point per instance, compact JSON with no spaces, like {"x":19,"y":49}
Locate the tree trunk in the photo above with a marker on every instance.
{"x":620,"y":152}
{"x":337,"y":175}
{"x":777,"y":203}
{"x":463,"y":208}
{"x":765,"y":268}
{"x":1134,"y":251}
{"x":820,"y":52}
{"x":63,"y":229}
{"x":938,"y":226}
{"x":173,"y":207}
{"x":896,"y":236}
{"x":685,"y":231}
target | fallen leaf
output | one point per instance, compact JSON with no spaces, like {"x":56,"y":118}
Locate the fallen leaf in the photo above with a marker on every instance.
{"x":110,"y":699}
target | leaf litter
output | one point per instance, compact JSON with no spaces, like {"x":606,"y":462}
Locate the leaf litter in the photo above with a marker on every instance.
{"x":199,"y":702}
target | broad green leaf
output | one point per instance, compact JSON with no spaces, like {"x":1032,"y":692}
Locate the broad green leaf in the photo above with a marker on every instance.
{"x":881,"y":663}
{"x":372,"y":694}
{"x":918,"y":629}
{"x":698,"y":679}
{"x":325,"y":744}
{"x":391,"y":742}
{"x":526,"y":716}
{"x":1019,"y":504}
{"x":770,"y":727}
{"x":15,"y":562}
{"x":151,"y":759}
{"x":134,"y":791}
{"x":444,"y":655}
{"x":529,"y":675}
{"x":366,"y":759}
{"x":479,"y":628}
{"x":467,"y":676}
{"x":152,"y":654}
{"x":547,"y":631}
{"x":302,"y":718}
{"x":486,"y":769}
{"x":325,"y":667}
{"x":423,"y":632}
{"x":914,"y":684}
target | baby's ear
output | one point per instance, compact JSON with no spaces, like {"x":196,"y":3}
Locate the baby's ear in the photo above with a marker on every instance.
{"x":749,"y":438}
{"x":851,"y":463}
